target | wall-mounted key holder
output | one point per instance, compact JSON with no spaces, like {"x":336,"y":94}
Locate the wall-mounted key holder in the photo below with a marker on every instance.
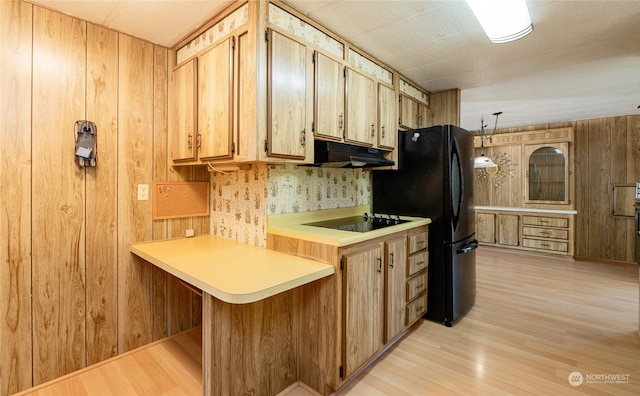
{"x":86,"y":143}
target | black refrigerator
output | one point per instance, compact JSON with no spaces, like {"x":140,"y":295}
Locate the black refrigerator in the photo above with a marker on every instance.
{"x":435,"y":180}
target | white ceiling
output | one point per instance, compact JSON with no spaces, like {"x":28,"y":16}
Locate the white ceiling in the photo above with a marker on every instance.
{"x":582,"y":60}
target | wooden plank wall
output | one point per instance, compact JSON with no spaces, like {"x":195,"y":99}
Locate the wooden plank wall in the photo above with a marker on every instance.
{"x":607,"y":152}
{"x":71,"y":294}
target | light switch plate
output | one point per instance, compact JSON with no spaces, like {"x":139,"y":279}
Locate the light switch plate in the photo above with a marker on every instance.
{"x":143,"y":192}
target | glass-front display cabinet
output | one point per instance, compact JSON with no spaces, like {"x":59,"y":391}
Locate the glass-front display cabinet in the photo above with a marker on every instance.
{"x":547,"y":173}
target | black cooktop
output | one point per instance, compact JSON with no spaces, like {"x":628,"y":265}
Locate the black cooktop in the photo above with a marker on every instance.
{"x":359,"y":223}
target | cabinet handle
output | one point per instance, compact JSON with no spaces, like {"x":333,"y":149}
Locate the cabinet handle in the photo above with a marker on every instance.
{"x":198,"y":141}
{"x":373,"y":130}
{"x":391,"y":264}
{"x":420,"y":286}
{"x":304,"y":137}
{"x":340,"y":121}
{"x":382,"y":130}
{"x":420,"y":242}
{"x":418,"y":309}
{"x":189,"y":144}
{"x":420,"y":263}
{"x":379,"y":264}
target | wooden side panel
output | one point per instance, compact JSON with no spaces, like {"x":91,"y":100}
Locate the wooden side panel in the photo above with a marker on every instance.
{"x":505,"y":187}
{"x":319,"y":345}
{"x":15,"y":196}
{"x":250,"y":348}
{"x":101,"y":196}
{"x":445,"y":107}
{"x":135,"y":164}
{"x":619,"y":226}
{"x":581,"y":179}
{"x":599,"y":188}
{"x":58,"y":188}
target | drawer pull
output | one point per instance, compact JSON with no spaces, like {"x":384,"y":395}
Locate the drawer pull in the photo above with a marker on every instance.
{"x":391,"y":263}
{"x":418,"y":309}
{"x":420,"y":263}
{"x":420,"y":242}
{"x":420,"y":286}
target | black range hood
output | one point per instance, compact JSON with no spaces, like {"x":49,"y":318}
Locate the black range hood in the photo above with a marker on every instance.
{"x":343,"y":155}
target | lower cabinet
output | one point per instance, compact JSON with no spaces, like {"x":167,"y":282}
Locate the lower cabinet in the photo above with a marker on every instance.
{"x":384,"y":291}
{"x":363,"y":305}
{"x":379,"y":290}
{"x":537,"y":231}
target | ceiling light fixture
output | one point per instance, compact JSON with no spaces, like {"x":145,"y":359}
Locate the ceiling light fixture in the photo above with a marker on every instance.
{"x":502,"y":20}
{"x":483,"y":161}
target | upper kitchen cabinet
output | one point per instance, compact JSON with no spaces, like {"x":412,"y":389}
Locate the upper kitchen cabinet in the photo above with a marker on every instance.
{"x":361,"y":109}
{"x":260,"y":82}
{"x":287,"y":97}
{"x":328,"y":101}
{"x":202,"y":112}
{"x":182,"y":115}
{"x":387,"y":119}
{"x":215,"y":102}
{"x":414,"y":107}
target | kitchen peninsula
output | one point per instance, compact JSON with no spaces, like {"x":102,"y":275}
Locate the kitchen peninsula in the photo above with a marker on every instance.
{"x":250,"y":306}
{"x":271,"y":319}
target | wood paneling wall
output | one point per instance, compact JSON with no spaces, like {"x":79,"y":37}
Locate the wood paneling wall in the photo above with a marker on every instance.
{"x":71,"y":293}
{"x":607,"y":153}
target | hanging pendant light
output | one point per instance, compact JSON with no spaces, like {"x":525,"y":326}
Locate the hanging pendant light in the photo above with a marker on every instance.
{"x":502,"y":20}
{"x":483,"y":161}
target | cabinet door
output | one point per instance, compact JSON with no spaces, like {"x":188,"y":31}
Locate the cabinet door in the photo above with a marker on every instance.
{"x":363,"y":309}
{"x":215,"y":98}
{"x":486,"y":227}
{"x":408,"y":112}
{"x":387,"y":120}
{"x":182,"y":124}
{"x":361,"y":108}
{"x":423,"y":115}
{"x":328,"y":112}
{"x":286,"y":107}
{"x":547,"y":173}
{"x":396,"y":269}
{"x":508,"y":230}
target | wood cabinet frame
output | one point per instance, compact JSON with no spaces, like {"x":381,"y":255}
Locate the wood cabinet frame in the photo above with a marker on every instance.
{"x":518,"y":145}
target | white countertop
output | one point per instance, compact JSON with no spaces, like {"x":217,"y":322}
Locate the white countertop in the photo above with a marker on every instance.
{"x":231,"y":271}
{"x":293,"y":225}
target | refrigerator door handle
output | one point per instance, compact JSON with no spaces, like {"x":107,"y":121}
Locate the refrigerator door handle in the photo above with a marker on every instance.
{"x":468,"y":247}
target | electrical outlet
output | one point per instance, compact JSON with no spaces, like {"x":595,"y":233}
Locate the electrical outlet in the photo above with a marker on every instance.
{"x":143,"y":192}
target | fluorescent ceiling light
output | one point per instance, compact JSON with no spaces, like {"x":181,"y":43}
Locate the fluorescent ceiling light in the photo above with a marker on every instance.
{"x":502,"y":20}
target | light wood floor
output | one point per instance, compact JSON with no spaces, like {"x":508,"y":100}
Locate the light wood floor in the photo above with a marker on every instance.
{"x":171,"y":366}
{"x":536,"y":320}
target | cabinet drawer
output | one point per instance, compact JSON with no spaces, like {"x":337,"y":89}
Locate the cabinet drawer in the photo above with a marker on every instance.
{"x":546,"y":245}
{"x":416,"y":285}
{"x":418,"y":262}
{"x":561,"y":222}
{"x":546,"y":232}
{"x":418,"y":241}
{"x":416,"y":308}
